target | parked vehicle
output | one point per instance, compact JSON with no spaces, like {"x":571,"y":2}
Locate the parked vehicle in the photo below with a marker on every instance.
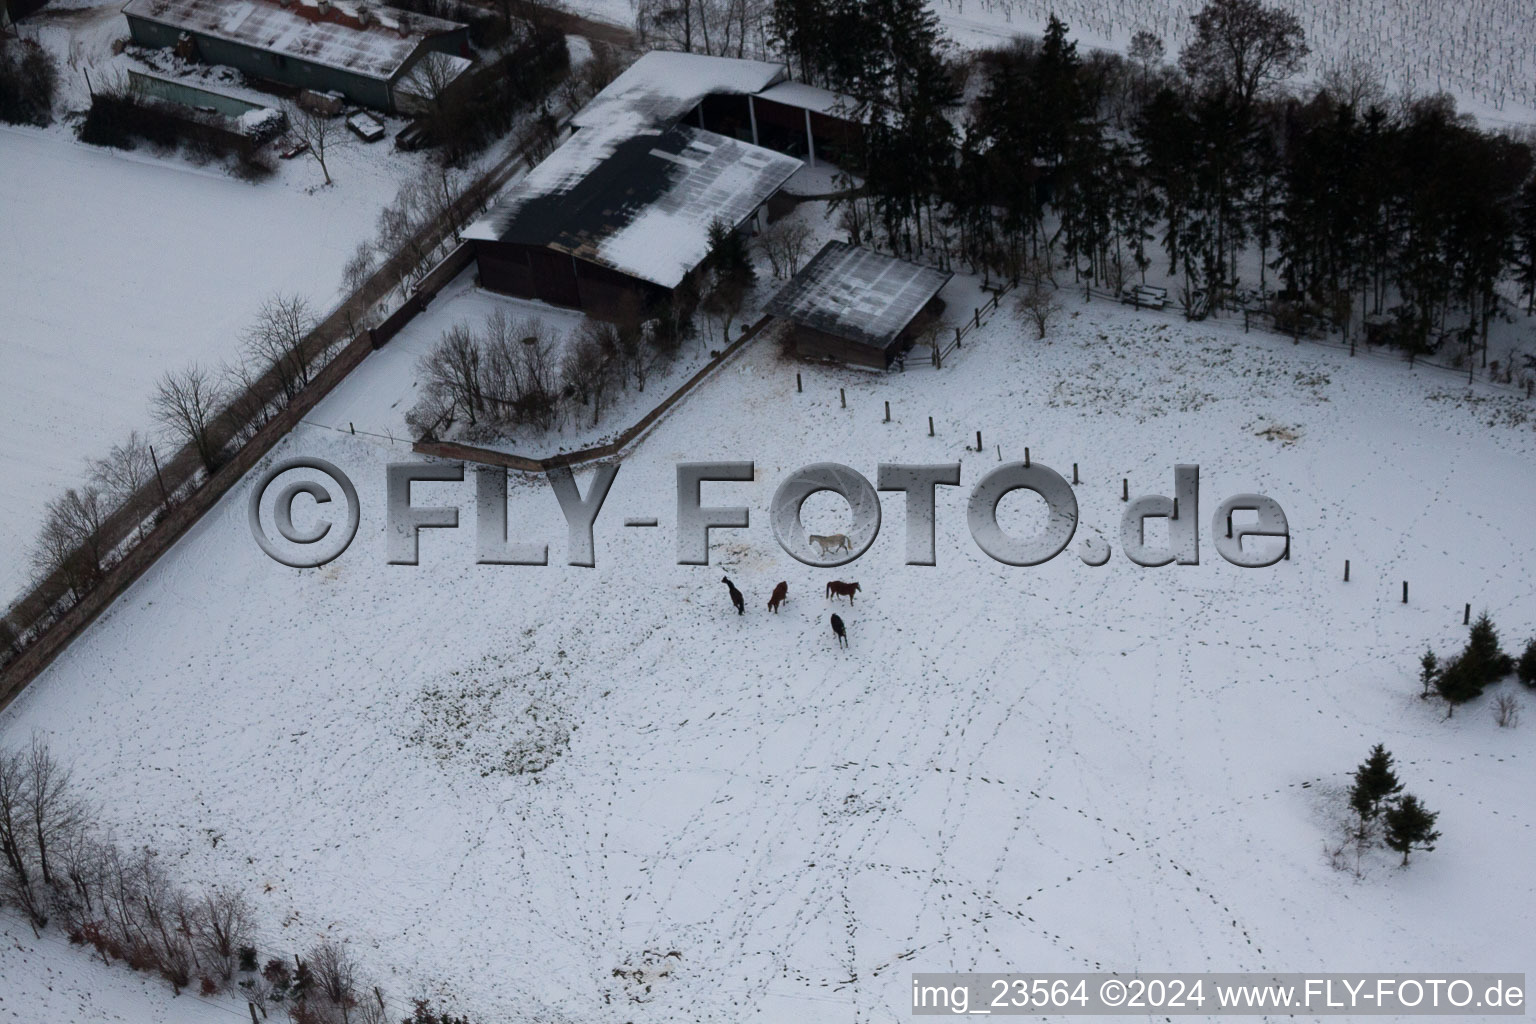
{"x":365,"y":126}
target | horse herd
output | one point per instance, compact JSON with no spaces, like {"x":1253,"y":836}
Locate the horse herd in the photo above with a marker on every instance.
{"x":835,"y":588}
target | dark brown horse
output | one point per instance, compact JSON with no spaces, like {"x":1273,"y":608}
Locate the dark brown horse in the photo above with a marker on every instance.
{"x":780,"y":592}
{"x":837,"y":628}
{"x":837,"y":588}
{"x":736,"y":598}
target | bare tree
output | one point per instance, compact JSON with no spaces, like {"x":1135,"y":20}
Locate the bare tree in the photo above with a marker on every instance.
{"x":319,"y":133}
{"x":335,"y":976}
{"x":1240,"y":48}
{"x":126,"y":468}
{"x":359,"y":268}
{"x":428,"y":82}
{"x":52,"y":812}
{"x":224,"y":925}
{"x":72,"y":543}
{"x":588,"y":365}
{"x":785,"y":244}
{"x":277,"y":337}
{"x":1037,"y":301}
{"x":185,"y":403}
{"x":1354,"y":82}
{"x":1506,"y":711}
{"x":17,"y":884}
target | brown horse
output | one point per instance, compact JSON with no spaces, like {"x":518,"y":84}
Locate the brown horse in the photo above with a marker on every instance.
{"x":838,"y":588}
{"x":780,"y":592}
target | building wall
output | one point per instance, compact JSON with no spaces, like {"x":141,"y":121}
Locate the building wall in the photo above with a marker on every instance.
{"x":368,"y":92}
{"x":782,"y":127}
{"x":533,"y":272}
{"x":814,"y":344}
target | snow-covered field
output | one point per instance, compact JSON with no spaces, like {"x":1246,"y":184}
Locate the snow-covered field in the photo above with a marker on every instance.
{"x":506,"y":783}
{"x":120,"y":266}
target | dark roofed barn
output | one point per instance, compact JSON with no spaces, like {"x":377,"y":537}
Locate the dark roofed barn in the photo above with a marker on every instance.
{"x":616,"y":212}
{"x":858,"y":306}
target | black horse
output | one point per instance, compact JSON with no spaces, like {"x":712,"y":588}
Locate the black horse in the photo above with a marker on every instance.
{"x":736,"y":598}
{"x":837,"y":627}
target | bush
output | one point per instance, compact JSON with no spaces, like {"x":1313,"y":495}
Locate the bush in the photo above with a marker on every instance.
{"x":28,"y":80}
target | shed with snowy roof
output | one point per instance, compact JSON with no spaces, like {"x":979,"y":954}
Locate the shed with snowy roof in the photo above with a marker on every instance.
{"x":859,"y":306}
{"x":363,"y":50}
{"x":621,"y":210}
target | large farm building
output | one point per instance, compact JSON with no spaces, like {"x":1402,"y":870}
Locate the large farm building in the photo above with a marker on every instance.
{"x":675,"y":144}
{"x":364,"y":51}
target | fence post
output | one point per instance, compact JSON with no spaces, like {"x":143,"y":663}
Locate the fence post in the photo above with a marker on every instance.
{"x":930,"y":426}
{"x":1074,"y":474}
{"x":1026,"y":456}
{"x":887,"y":410}
{"x":976,"y":315}
{"x":1466,"y":615}
{"x":1346,"y":570}
{"x":1405,"y":591}
{"x":1125,"y":489}
{"x":799,"y":387}
{"x":842,"y":394}
{"x":978,"y":440}
{"x":165,"y":498}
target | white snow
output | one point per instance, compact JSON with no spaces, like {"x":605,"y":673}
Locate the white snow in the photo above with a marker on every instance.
{"x":1033,"y":769}
{"x":118,"y":267}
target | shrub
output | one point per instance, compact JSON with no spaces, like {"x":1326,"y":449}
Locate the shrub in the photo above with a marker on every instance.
{"x":28,"y":80}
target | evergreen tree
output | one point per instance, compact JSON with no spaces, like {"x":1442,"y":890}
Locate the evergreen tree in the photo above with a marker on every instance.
{"x":1525,"y":235}
{"x":1483,"y":654}
{"x":1429,"y":671}
{"x":1526,"y":669}
{"x":1458,"y":683}
{"x":1409,"y":824}
{"x":1374,"y":782}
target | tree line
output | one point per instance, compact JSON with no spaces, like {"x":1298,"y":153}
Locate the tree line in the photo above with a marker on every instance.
{"x":60,"y":869}
{"x":1354,"y":202}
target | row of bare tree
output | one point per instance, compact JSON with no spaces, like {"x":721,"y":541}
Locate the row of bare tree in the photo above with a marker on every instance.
{"x":73,"y":542}
{"x":59,"y":869}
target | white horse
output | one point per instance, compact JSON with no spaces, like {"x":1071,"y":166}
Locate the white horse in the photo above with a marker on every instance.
{"x":836,"y":542}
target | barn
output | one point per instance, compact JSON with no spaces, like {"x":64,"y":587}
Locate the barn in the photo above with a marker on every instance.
{"x":858,"y":306}
{"x":622,"y":212}
{"x":365,"y":51}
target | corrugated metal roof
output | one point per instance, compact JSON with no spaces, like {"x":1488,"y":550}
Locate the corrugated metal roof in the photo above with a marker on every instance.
{"x":858,"y":294}
{"x":336,"y":39}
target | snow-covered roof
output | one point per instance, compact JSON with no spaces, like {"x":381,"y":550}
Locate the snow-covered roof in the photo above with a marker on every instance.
{"x":639,"y":202}
{"x":365,"y":39}
{"x":815,"y":99}
{"x":662,"y":86}
{"x":857,"y":293}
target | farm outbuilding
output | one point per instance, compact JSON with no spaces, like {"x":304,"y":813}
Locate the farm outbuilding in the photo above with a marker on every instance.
{"x":364,"y":51}
{"x":858,"y":306}
{"x":618,"y":212}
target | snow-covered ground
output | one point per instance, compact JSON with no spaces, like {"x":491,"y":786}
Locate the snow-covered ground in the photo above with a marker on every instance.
{"x":505,"y":783}
{"x":119,"y":266}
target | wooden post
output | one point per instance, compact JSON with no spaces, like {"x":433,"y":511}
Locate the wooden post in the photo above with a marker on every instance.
{"x":165,"y":498}
{"x":1229,"y":529}
{"x":1175,"y":508}
{"x":1026,"y":456}
{"x":1075,"y":480}
{"x":978,"y":440}
{"x":842,"y":394}
{"x":930,"y":426}
{"x":1466,"y":615}
{"x":977,"y":316}
{"x":1346,"y":570}
{"x":887,"y":410}
{"x":1351,"y":348}
{"x":1125,"y":489}
{"x":1000,"y":456}
{"x":1405,"y":591}
{"x":351,"y":428}
{"x":799,"y":387}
